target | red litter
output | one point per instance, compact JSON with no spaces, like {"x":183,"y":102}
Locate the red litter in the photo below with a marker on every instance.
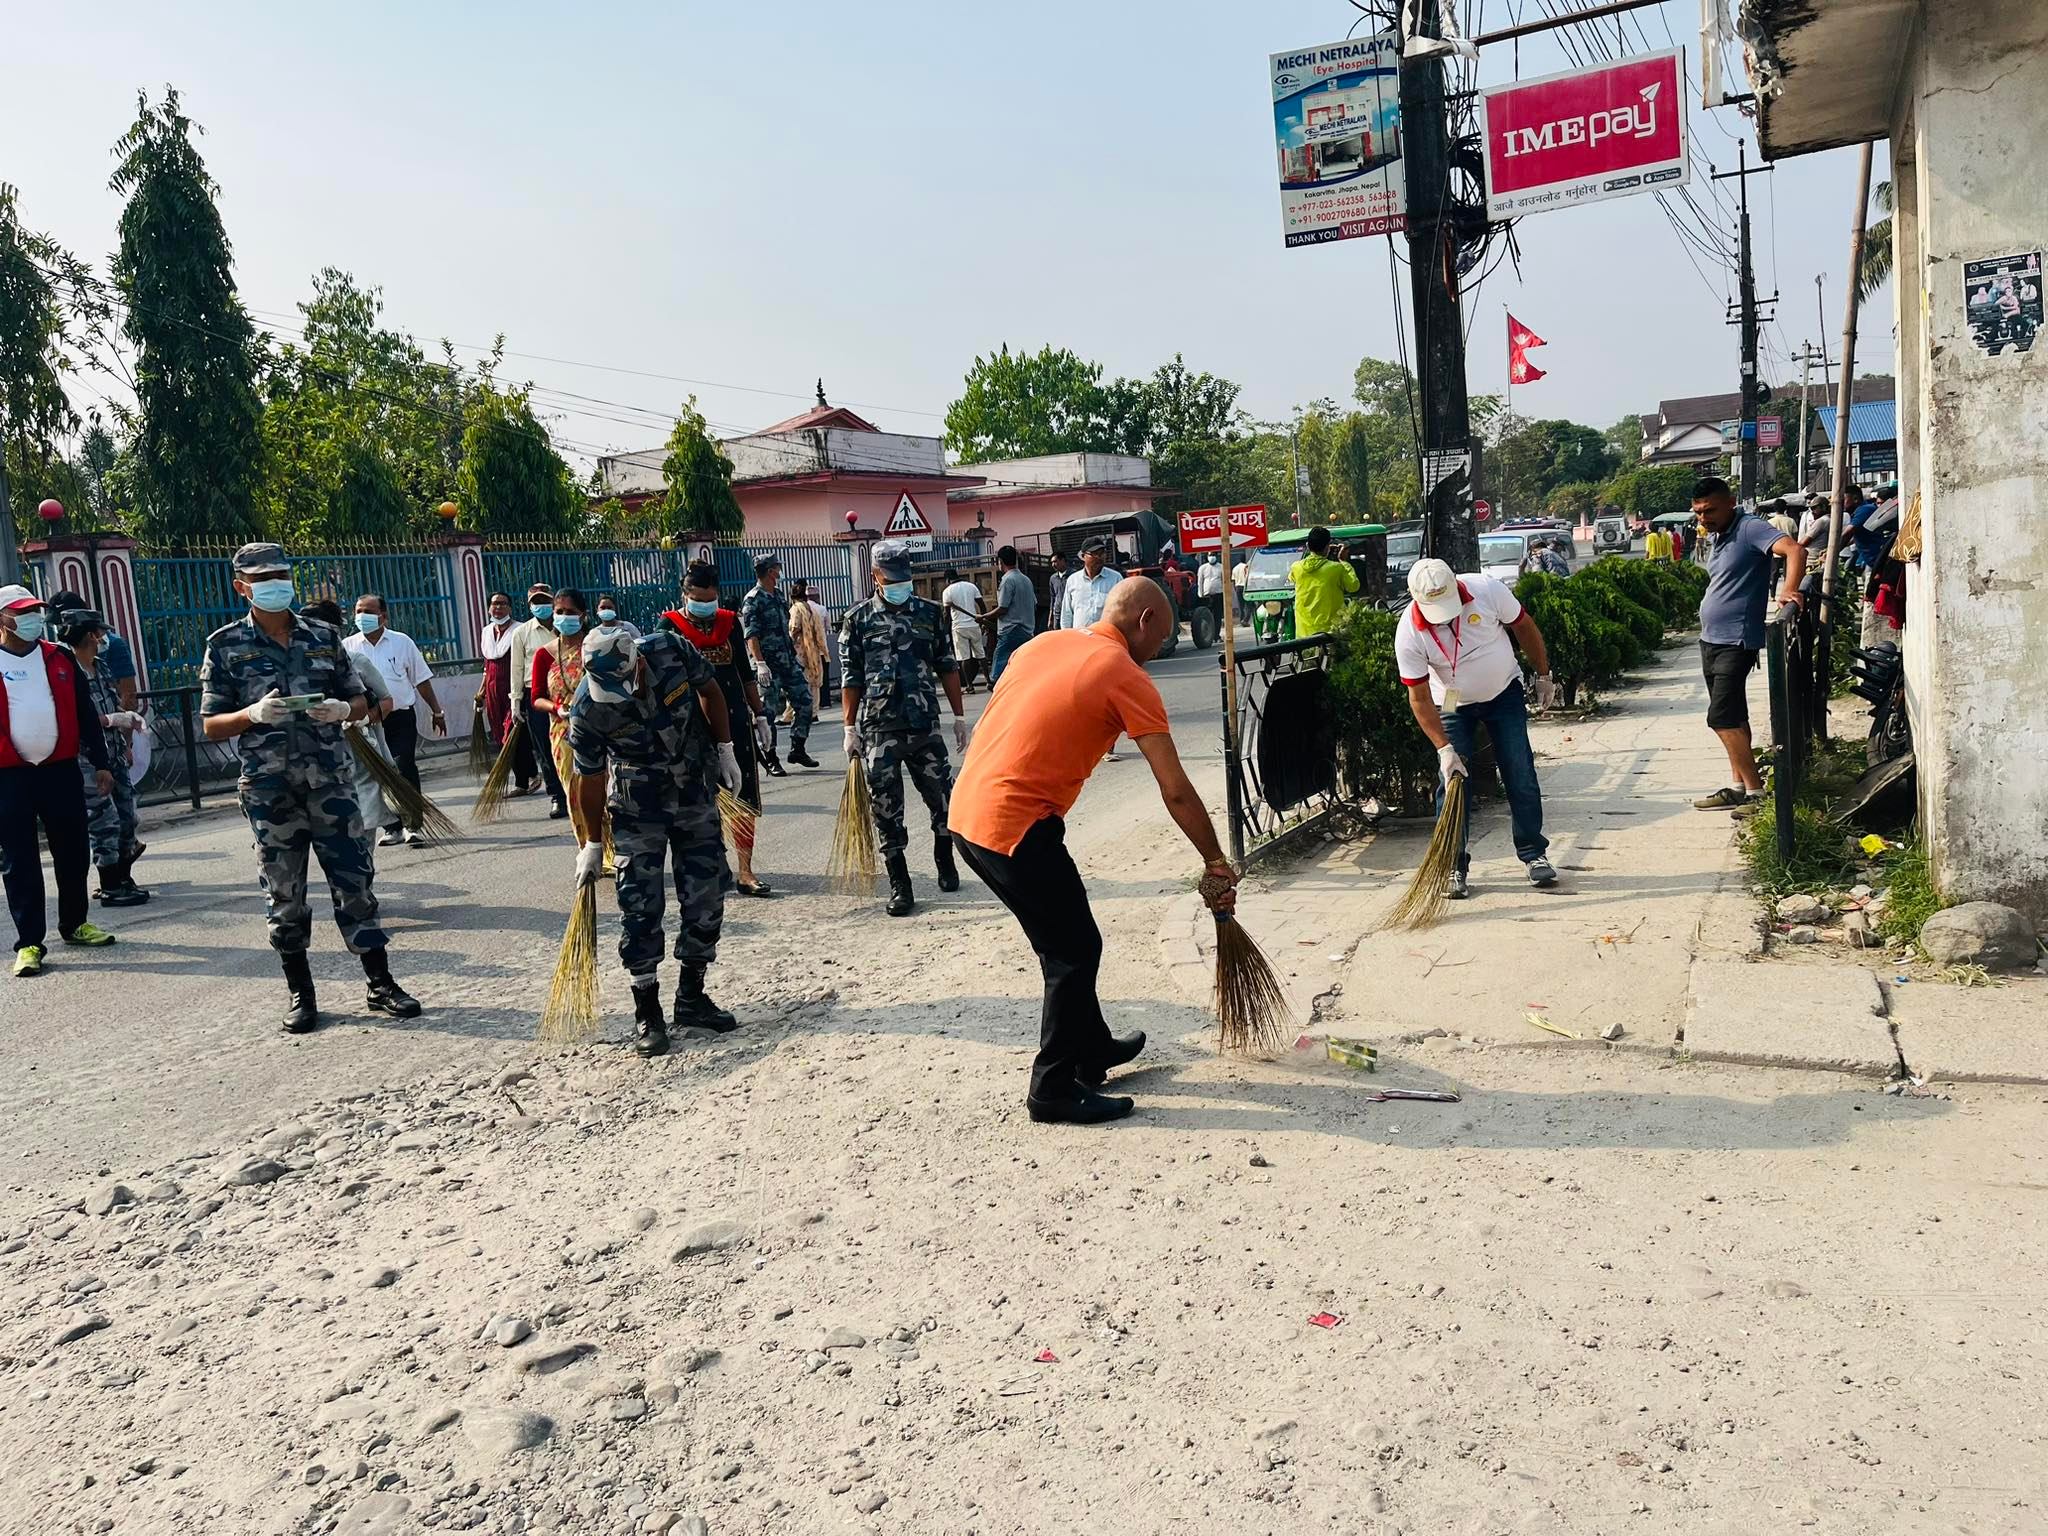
{"x":1326,"y":1320}
{"x":1046,"y":1357}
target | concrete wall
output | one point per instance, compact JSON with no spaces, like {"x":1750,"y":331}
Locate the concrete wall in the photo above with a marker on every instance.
{"x":1971,"y":121}
{"x":1019,"y":519}
{"x":814,"y":512}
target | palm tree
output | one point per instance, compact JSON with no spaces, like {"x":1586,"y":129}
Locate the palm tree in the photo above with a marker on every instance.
{"x":1877,"y":245}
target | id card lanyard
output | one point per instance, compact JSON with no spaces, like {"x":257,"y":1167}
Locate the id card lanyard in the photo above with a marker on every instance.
{"x":1456,"y":650}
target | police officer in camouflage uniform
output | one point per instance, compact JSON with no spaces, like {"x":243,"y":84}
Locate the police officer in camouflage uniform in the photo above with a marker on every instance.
{"x":667,"y":753}
{"x":295,"y":784}
{"x":109,"y":818}
{"x":894,"y":649}
{"x":764,"y":621}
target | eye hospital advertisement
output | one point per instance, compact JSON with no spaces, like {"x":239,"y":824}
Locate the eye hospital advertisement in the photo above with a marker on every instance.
{"x":1337,"y":133}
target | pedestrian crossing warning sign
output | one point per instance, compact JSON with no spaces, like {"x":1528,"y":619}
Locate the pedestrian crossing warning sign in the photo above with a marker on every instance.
{"x":909,"y":523}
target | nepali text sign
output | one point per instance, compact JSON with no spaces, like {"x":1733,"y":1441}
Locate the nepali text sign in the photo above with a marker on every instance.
{"x":1337,"y":133}
{"x":1585,"y":136}
{"x":1203,"y":530}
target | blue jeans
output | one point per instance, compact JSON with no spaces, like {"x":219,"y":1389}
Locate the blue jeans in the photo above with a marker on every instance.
{"x":1506,"y":717}
{"x":1008,"y":639}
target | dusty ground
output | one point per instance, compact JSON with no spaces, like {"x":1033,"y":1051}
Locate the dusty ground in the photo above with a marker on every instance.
{"x":801,"y":1280}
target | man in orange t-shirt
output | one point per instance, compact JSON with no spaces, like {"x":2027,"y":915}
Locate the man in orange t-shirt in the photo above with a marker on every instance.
{"x":1064,"y":699}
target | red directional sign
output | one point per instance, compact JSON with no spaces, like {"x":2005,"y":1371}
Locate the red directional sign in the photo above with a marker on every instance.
{"x":1203,"y":530}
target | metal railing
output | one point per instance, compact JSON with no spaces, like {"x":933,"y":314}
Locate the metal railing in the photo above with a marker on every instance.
{"x":185,"y":766}
{"x":1281,"y":781}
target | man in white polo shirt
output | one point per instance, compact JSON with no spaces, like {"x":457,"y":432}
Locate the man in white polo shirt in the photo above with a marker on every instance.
{"x":1459,"y":666}
{"x":410,"y":679}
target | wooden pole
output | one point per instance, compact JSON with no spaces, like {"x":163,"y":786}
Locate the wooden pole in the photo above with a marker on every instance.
{"x":1231,"y":776}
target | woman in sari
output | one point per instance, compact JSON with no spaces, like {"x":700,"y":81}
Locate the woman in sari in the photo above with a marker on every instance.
{"x":557,"y":669}
{"x":807,"y":633}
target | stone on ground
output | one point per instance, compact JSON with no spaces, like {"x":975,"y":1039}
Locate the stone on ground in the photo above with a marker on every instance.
{"x":1980,"y":933}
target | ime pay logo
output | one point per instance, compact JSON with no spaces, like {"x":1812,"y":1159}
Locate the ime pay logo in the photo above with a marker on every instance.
{"x":1635,"y":120}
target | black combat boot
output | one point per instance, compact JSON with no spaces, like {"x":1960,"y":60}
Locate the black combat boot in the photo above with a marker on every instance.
{"x":650,"y":1036}
{"x":137,"y":895}
{"x":901,"y":899}
{"x":386,"y":995}
{"x":113,"y":892}
{"x":695,"y":1008}
{"x":942,"y":855}
{"x":798,"y":755}
{"x":304,"y":1012}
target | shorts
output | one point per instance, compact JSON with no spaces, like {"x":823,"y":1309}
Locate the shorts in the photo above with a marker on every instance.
{"x":969,"y":643}
{"x":1727,"y":668}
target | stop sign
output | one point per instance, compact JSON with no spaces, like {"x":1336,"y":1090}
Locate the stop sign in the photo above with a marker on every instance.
{"x":1482,"y":510}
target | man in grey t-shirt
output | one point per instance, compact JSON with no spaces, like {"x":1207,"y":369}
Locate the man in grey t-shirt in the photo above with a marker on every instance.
{"x":1739,"y":550}
{"x":1016,"y":612}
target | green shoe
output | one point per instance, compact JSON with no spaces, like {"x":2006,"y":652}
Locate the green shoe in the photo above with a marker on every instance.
{"x":87,"y":934}
{"x":28,"y":960}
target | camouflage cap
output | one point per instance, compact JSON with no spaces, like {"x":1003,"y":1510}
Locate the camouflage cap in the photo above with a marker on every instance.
{"x":892,"y":559}
{"x":610,"y":659}
{"x":261,"y":557}
{"x":768,"y":561}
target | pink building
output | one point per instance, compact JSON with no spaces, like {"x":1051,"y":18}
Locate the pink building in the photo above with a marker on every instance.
{"x":1018,"y":499}
{"x":798,"y":479}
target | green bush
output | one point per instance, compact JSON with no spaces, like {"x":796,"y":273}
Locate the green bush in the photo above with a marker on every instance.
{"x":1564,"y":635}
{"x":1384,"y":753}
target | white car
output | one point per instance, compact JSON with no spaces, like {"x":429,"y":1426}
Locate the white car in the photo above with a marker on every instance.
{"x":1501,"y":555}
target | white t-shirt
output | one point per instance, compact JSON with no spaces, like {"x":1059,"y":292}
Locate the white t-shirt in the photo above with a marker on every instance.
{"x":31,"y":707}
{"x":1209,"y":583}
{"x":400,"y":661}
{"x":963,"y":598}
{"x":1471,"y":659}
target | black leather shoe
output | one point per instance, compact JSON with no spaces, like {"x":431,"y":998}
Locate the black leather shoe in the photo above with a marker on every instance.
{"x":694,"y":1007}
{"x":650,"y":1036}
{"x":901,"y":898}
{"x":1085,"y":1108}
{"x":949,"y":872}
{"x":559,"y":811}
{"x":1122,"y":1048}
{"x":387,"y":996}
{"x":799,"y":756}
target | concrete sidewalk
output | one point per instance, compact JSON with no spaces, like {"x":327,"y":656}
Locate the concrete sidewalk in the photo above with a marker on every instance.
{"x":1651,"y":926}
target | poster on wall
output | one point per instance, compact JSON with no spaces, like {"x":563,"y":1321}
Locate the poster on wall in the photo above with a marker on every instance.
{"x":1337,"y":134}
{"x":2002,"y":301}
{"x":1585,"y":136}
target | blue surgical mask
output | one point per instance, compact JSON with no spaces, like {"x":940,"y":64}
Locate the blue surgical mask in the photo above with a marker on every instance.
{"x":607,"y":615}
{"x":542,"y":610}
{"x":368,"y":623}
{"x":568,"y":624}
{"x":29,"y":626}
{"x":272,"y":596}
{"x":698,"y":609}
{"x":897,"y":592}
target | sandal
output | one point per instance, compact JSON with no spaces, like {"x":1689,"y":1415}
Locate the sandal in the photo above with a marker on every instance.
{"x":758,"y":888}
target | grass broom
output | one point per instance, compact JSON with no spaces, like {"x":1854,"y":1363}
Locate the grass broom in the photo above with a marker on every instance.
{"x":414,"y":809}
{"x":479,"y":739}
{"x":1251,"y":1007}
{"x":490,"y":799}
{"x":854,"y":868}
{"x":737,"y":818}
{"x":570,"y":1017}
{"x":1422,"y":904}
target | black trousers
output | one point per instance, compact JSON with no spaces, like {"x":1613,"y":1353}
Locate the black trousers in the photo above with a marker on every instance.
{"x":537,"y":738}
{"x":523,"y":766}
{"x":402,"y":736}
{"x":53,"y":795}
{"x":1043,"y":890}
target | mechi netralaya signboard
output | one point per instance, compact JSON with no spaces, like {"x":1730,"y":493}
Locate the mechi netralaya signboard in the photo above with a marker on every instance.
{"x":1585,"y":136}
{"x":1337,"y":134}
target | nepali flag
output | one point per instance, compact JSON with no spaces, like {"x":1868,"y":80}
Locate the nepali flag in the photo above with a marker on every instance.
{"x":1520,"y":339}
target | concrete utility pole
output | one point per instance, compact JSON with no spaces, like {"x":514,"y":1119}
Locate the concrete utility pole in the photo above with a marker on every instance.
{"x":1754,"y":390}
{"x":1807,"y":356}
{"x":1448,"y":531}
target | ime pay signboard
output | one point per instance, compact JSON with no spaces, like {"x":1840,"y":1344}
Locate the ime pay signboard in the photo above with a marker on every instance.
{"x":1585,"y":136}
{"x":1337,"y":138}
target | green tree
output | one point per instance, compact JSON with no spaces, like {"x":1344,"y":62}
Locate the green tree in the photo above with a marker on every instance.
{"x":1647,"y":492}
{"x":1573,"y":501}
{"x":1354,"y":443}
{"x":1019,"y":405}
{"x":369,"y":503}
{"x":699,"y":497}
{"x":1384,"y":392}
{"x":35,"y":328}
{"x":198,"y":450}
{"x":512,"y":483}
{"x":1625,"y":441}
{"x":1877,"y":245}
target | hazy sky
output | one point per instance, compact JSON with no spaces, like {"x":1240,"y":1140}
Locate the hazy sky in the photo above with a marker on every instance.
{"x":761,"y":195}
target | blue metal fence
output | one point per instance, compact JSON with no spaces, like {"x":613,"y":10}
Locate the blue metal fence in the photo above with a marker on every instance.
{"x":645,"y":582}
{"x":181,"y":600}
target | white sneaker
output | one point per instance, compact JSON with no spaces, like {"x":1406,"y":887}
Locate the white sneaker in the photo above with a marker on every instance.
{"x":389,"y":838}
{"x":414,"y":838}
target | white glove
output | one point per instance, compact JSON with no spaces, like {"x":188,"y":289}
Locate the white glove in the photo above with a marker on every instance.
{"x":764,"y":674}
{"x":1449,"y":763}
{"x":124,"y":720}
{"x":271,"y":709}
{"x":728,"y":766}
{"x":589,"y":860}
{"x":764,"y":732}
{"x":960,"y":729}
{"x":329,"y":712}
{"x":853,"y":743}
{"x":1546,"y":693}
